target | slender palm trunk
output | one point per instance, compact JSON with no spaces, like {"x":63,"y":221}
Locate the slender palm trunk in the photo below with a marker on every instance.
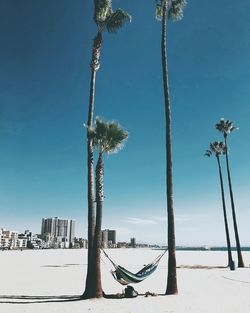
{"x":229,"y":250}
{"x":237,"y":239}
{"x":172,"y":279}
{"x":91,"y":208}
{"x":97,"y":283}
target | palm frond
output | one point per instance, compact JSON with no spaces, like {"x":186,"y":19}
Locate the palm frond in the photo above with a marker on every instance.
{"x":208,"y":153}
{"x":176,"y":9}
{"x":116,"y":137}
{"x":116,"y":20}
{"x":158,"y":11}
{"x":103,"y":9}
{"x":217,"y":148}
{"x":99,"y":133}
{"x":225,"y":126}
{"x":234,"y":128}
{"x":108,"y":137}
{"x":220,"y":126}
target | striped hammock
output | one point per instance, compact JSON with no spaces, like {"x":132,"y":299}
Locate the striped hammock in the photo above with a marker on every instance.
{"x":125,"y":277}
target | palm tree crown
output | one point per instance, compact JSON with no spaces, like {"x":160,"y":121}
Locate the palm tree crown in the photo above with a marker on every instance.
{"x":225,"y":126}
{"x":217,"y":148}
{"x":175,"y":9}
{"x":105,"y":18}
{"x":108,"y":137}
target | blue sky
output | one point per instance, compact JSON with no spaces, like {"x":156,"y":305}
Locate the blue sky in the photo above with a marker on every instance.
{"x":44,"y":88}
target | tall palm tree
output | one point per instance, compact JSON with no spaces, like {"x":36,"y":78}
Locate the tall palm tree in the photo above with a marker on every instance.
{"x":173,"y":10}
{"x":108,"y":137}
{"x":105,"y":19}
{"x":217,"y":149}
{"x":226,"y":127}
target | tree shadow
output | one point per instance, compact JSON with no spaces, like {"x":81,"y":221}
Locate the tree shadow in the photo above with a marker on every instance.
{"x":122,"y":295}
{"x":22,"y":299}
{"x":114,"y":296}
{"x":201,"y":267}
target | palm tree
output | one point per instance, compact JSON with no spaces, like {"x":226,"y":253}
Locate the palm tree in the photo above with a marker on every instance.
{"x":226,"y":127}
{"x":173,"y":10}
{"x":105,"y":19}
{"x":108,"y":137}
{"x":217,"y":149}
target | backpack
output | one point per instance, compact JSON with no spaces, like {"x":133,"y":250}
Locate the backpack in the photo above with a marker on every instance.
{"x":130,"y":292}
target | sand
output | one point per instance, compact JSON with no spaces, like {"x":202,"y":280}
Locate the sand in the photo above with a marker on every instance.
{"x":51,"y":281}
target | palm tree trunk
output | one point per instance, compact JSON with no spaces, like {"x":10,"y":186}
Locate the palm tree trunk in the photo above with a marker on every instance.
{"x":91,"y":208}
{"x":172,"y":279}
{"x":229,"y":250}
{"x":237,"y":239}
{"x":97,"y":283}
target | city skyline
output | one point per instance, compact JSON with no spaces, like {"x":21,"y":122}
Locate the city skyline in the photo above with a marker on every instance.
{"x":45,"y":56}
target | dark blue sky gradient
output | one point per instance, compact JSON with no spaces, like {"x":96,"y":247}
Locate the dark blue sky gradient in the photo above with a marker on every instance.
{"x":45,"y":53}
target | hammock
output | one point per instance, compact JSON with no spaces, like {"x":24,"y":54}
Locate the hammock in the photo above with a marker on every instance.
{"x":125,"y":277}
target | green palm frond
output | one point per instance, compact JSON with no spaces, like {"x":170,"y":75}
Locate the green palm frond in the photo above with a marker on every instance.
{"x":116,"y":20}
{"x":217,"y":148}
{"x":99,"y":133}
{"x":103,"y":9}
{"x":158,"y":11}
{"x":108,"y":137}
{"x":208,"y":153}
{"x":219,"y":126}
{"x":115,"y":137}
{"x":225,"y":126}
{"x":176,"y":9}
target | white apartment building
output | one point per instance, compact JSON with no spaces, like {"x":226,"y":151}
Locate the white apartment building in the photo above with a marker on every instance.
{"x":9,"y":240}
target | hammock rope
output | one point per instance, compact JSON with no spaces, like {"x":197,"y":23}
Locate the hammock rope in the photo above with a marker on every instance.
{"x":125,"y":277}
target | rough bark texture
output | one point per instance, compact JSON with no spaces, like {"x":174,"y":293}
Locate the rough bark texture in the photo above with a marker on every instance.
{"x":237,"y":239}
{"x":91,"y":197}
{"x":229,"y":250}
{"x":172,"y":277}
{"x":97,"y":283}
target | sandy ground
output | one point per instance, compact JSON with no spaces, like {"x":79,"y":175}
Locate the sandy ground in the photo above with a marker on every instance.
{"x":51,"y":281}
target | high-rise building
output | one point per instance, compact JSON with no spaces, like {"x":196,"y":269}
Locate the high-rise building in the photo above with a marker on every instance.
{"x":58,"y":232}
{"x":105,"y":238}
{"x":108,"y":238}
{"x":133,"y":242}
{"x":112,"y":236}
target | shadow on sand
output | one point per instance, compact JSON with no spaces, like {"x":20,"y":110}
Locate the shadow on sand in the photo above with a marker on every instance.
{"x":122,"y":296}
{"x":201,"y":267}
{"x":21,"y":299}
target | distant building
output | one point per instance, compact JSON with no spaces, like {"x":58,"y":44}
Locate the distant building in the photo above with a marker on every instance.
{"x":105,"y":238}
{"x":10,"y":240}
{"x":112,"y":236}
{"x":122,"y":244}
{"x":80,"y":243}
{"x":108,"y":238}
{"x":133,"y":242}
{"x":57,"y":232}
{"x":33,"y":241}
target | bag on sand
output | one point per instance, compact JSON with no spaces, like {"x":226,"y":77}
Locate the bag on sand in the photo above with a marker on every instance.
{"x":130,"y":292}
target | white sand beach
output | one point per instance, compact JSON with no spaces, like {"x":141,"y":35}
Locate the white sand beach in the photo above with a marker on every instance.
{"x":51,"y":281}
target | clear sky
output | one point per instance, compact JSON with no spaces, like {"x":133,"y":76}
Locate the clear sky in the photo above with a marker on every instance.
{"x":45,"y":53}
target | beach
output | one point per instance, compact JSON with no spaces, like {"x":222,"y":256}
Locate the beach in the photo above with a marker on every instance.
{"x":51,"y":281}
